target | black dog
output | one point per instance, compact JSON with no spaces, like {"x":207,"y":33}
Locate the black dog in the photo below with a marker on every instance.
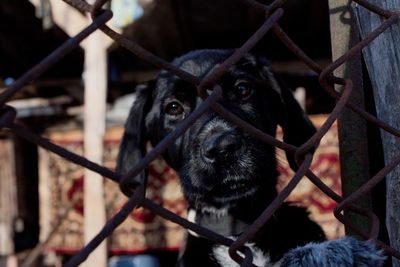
{"x":228,"y":177}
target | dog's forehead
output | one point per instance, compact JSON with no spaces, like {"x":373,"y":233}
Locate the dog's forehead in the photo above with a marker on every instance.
{"x":168,"y":85}
{"x":204,"y":62}
{"x":199,"y":64}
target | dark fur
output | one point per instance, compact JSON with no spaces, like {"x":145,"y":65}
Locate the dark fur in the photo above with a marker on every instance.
{"x":222,"y":167}
{"x":345,"y":252}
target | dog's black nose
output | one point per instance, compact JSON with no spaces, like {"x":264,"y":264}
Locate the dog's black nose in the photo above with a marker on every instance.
{"x":221,"y":148}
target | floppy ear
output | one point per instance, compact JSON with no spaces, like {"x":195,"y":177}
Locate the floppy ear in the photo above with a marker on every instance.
{"x":133,"y":145}
{"x":296,"y":126}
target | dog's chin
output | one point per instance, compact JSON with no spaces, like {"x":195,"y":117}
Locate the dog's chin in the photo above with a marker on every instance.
{"x":227,"y":200}
{"x":228,"y":193}
{"x":232,"y":195}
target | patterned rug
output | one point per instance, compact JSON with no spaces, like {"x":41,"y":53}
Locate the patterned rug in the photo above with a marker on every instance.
{"x":62,"y":181}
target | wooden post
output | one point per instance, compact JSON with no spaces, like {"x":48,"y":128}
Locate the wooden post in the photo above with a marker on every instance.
{"x":95,"y":77}
{"x":44,"y":195}
{"x":352,"y":128}
{"x":8,"y":197}
{"x":382,"y":58}
{"x":67,"y":18}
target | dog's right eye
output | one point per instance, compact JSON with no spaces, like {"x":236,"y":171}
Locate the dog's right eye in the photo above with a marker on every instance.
{"x":244,"y":89}
{"x":174,"y":109}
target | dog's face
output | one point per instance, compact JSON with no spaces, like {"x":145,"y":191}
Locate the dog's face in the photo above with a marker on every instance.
{"x":218,"y":163}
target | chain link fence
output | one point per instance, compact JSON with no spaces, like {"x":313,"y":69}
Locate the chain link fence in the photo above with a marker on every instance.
{"x":303,"y":154}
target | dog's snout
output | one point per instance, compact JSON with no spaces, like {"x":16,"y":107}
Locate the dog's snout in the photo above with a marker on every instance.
{"x":221,"y":148}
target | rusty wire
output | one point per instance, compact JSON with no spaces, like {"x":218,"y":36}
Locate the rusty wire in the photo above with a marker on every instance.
{"x":302,"y":154}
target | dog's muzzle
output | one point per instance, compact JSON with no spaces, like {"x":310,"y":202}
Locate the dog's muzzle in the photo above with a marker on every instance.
{"x":221,"y":148}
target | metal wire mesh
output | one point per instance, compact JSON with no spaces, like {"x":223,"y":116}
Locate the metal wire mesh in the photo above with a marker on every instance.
{"x":302,"y":154}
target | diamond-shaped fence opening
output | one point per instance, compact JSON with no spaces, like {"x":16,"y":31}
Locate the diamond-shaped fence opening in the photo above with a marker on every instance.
{"x":303,"y":154}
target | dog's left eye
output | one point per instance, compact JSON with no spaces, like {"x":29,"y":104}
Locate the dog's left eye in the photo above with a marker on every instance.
{"x":243,"y":89}
{"x":174,"y":109}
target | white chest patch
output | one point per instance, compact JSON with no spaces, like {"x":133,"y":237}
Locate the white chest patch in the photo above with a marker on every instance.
{"x":260,"y":259}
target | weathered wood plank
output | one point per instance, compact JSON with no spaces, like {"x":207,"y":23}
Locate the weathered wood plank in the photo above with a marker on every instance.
{"x":8,"y":197}
{"x":352,"y":128}
{"x":382,"y":58}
